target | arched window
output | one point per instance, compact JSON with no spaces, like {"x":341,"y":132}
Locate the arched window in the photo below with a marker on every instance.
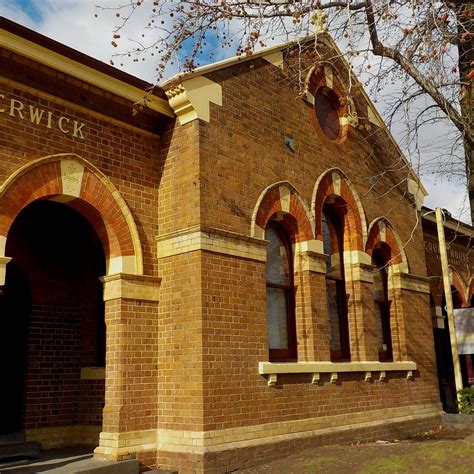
{"x":381,"y":256}
{"x":336,"y":298}
{"x":280,"y":295}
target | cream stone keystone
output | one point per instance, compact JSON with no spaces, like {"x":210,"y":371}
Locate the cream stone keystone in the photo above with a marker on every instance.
{"x":190,"y":100}
{"x":336,"y":183}
{"x":382,"y":376}
{"x":3,"y":269}
{"x":71,"y":177}
{"x":285,"y":198}
{"x":333,"y":377}
{"x":131,"y":286}
{"x":368,"y":376}
{"x":315,"y":378}
{"x":410,"y":375}
{"x":329,"y":76}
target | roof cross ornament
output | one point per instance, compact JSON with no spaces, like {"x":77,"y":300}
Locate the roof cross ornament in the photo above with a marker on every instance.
{"x":319,"y":21}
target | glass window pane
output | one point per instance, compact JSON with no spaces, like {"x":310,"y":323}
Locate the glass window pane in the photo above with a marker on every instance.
{"x":278,"y":265}
{"x":276,"y":314}
{"x":382,"y":346}
{"x":333,"y":314}
{"x":327,"y":243}
{"x":327,"y":112}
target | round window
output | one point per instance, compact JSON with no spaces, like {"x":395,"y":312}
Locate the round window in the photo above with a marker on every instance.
{"x":326,"y":105}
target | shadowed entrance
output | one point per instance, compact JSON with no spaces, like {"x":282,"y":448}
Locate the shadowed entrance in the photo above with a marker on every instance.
{"x":52,"y":327}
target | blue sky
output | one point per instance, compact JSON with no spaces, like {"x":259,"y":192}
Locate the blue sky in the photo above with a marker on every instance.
{"x":30,"y":9}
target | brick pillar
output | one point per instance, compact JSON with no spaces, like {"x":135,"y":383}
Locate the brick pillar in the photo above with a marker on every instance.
{"x":403,"y":287}
{"x":361,"y":312}
{"x":130,"y":413}
{"x":312,"y":327}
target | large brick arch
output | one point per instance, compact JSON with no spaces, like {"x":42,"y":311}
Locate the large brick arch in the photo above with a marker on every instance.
{"x":282,"y":199}
{"x":334,"y":184}
{"x":70,"y":179}
{"x":380,"y":230}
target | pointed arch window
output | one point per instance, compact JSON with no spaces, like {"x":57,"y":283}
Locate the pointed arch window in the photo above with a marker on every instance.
{"x":280,"y":294}
{"x":333,"y":241}
{"x":381,"y":257}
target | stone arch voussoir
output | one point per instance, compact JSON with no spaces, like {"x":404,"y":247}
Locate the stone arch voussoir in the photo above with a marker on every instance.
{"x":283,"y":198}
{"x":461,"y":287}
{"x":334,"y":183}
{"x":381,"y":230}
{"x":72,"y":180}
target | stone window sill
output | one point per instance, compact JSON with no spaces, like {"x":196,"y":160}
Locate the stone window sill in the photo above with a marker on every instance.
{"x":272,"y":369}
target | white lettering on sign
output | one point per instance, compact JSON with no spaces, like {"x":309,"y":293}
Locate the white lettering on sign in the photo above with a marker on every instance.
{"x":17,"y":109}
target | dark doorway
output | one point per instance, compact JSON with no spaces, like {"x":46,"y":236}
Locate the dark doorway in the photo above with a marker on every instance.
{"x":444,"y":358}
{"x":51,"y":320}
{"x":15,"y":310}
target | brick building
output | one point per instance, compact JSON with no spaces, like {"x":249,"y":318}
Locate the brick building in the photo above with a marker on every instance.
{"x":229,"y":275}
{"x":461,"y":268}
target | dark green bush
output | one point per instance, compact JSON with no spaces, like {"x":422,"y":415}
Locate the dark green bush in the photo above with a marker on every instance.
{"x":466,"y":401}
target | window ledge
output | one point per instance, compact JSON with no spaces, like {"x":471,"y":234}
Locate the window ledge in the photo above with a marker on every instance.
{"x":272,"y":369}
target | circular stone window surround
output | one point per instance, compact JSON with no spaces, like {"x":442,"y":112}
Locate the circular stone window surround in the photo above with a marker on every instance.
{"x":322,"y":82}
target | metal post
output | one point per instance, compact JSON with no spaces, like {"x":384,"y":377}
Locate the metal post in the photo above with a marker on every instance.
{"x":449,"y":300}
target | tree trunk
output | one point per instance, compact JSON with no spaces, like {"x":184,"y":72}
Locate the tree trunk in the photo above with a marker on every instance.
{"x":465,"y":16}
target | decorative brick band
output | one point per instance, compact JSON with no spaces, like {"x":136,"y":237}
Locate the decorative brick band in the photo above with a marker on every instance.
{"x":201,"y":442}
{"x":408,"y":281}
{"x":130,"y":286}
{"x":114,"y":445}
{"x":212,"y":240}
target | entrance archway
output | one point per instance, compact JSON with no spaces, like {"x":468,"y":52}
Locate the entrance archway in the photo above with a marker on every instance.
{"x":52,"y":323}
{"x":79,"y":197}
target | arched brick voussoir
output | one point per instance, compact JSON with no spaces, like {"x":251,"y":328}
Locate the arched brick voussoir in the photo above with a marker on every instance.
{"x":461,"y":287}
{"x":70,"y":179}
{"x":381,"y":230}
{"x":332,"y":184}
{"x":37,"y":184}
{"x":99,"y":197}
{"x":283,"y":198}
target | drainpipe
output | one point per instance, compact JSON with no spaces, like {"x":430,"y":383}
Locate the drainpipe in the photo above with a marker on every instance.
{"x":449,"y":300}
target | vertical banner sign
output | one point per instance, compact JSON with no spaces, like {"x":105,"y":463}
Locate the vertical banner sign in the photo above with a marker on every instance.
{"x":464,"y":322}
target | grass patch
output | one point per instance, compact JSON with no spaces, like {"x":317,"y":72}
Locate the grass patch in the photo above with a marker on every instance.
{"x":432,"y":458}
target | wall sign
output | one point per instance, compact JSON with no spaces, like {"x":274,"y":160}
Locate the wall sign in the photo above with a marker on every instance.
{"x":43,"y":118}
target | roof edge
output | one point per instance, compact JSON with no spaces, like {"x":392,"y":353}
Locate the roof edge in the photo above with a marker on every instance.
{"x":37,"y":47}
